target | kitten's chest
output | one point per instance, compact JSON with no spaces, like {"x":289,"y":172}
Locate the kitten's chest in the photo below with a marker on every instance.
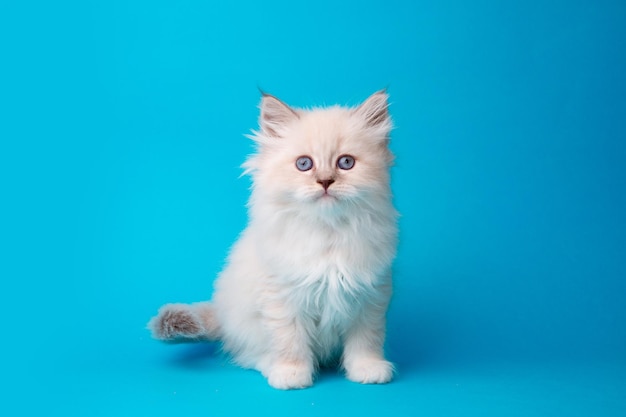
{"x":330,"y":277}
{"x":322,"y":253}
{"x":331,"y":300}
{"x":328,"y":268}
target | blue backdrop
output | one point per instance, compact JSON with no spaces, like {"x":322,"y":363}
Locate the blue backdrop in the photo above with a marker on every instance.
{"x":121,"y":129}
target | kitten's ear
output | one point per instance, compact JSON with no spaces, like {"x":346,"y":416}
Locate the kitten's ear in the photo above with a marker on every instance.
{"x":374,"y":110}
{"x":274,"y":115}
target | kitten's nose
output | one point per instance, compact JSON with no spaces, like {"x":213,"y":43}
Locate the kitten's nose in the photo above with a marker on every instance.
{"x":325,"y":183}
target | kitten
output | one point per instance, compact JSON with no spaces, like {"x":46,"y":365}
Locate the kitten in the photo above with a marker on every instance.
{"x":309,"y":280}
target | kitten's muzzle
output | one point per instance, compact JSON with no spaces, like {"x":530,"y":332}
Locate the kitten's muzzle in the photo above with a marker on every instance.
{"x":326,"y":183}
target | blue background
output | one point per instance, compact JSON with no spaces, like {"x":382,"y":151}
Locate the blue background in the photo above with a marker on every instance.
{"x":121,"y":128}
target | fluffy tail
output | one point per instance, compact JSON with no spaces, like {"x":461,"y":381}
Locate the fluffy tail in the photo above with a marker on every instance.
{"x":185,"y":323}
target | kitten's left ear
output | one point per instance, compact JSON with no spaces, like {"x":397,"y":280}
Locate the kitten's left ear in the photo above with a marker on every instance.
{"x":375,"y":111}
{"x":275,"y":115}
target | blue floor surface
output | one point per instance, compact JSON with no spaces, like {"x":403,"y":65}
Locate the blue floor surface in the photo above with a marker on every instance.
{"x":138,"y":378}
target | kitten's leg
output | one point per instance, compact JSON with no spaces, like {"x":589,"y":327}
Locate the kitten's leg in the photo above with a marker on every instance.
{"x":289,"y":364}
{"x":363,"y":357}
{"x":185,"y":322}
{"x":292,"y":363}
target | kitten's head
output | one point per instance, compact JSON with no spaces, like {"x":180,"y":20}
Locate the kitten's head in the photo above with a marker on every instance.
{"x":325,"y":159}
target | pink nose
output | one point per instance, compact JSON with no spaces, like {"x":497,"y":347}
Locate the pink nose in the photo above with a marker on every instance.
{"x":325,"y":183}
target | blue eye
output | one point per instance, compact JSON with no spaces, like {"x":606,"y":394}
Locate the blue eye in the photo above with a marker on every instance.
{"x":345,"y":162}
{"x":304,"y":163}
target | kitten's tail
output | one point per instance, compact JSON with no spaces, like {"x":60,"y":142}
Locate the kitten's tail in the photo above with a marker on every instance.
{"x":185,"y":323}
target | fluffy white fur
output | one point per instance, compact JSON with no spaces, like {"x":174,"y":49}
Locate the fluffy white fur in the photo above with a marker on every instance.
{"x":309,"y":280}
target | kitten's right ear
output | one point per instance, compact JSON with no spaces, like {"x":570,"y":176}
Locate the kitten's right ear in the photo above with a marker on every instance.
{"x":275,"y":115}
{"x":375,"y":110}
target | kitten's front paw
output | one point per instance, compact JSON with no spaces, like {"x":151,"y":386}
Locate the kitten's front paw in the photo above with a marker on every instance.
{"x":175,"y":321}
{"x":290,"y":376}
{"x":369,"y":371}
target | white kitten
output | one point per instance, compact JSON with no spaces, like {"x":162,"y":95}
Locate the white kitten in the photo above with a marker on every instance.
{"x":309,"y":280}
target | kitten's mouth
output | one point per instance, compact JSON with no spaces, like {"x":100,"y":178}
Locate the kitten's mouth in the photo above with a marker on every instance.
{"x":326,"y":196}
